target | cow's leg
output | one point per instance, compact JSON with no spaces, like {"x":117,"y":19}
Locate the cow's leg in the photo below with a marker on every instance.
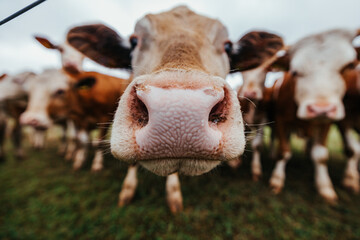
{"x":97,"y":164}
{"x":272,"y":145}
{"x":173,"y":193}
{"x":277,"y":179}
{"x":256,"y":145}
{"x":320,"y":156}
{"x":81,"y":152}
{"x":351,"y":176}
{"x":2,"y":139}
{"x":129,"y":186}
{"x":39,"y":139}
{"x":63,"y":140}
{"x":16,"y":136}
{"x":71,"y":140}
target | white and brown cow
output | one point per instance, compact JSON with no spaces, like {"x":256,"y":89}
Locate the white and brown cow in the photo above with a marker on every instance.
{"x":13,"y":101}
{"x":254,"y":100}
{"x":309,"y":98}
{"x":178,"y":114}
{"x":88,"y":99}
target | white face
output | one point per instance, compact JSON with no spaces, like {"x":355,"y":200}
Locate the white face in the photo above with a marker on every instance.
{"x":50,"y":84}
{"x":316,"y":64}
{"x":15,"y":87}
{"x":70,"y":57}
{"x":253,"y":83}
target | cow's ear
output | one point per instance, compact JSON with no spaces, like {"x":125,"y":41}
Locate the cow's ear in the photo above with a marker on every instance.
{"x":101,"y":44}
{"x":281,"y":63}
{"x":85,"y":83}
{"x":253,"y":50}
{"x":46,"y":43}
{"x":358,"y":52}
{"x":3,"y":76}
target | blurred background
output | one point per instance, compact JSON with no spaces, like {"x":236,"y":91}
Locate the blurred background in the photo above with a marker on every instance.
{"x":290,"y":19}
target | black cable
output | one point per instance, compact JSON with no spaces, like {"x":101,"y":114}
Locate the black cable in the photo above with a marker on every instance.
{"x":18,"y":13}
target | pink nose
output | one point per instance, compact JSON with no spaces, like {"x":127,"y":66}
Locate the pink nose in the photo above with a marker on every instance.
{"x":251,"y":94}
{"x":31,"y":121}
{"x":181,"y":122}
{"x":321,"y":109}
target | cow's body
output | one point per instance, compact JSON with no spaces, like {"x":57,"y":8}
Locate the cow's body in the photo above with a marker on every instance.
{"x":351,"y":123}
{"x":254,"y":100}
{"x":309,"y":98}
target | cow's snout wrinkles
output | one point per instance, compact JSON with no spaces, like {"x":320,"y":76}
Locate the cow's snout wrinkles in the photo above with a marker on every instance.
{"x":182,"y":123}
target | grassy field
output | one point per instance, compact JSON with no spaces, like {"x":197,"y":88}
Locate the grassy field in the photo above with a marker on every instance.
{"x":42,"y":198}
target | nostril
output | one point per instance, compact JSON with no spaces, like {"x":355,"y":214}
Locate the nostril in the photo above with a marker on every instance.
{"x":250,"y":94}
{"x":140,"y":112}
{"x":321,"y":109}
{"x":218,"y":113}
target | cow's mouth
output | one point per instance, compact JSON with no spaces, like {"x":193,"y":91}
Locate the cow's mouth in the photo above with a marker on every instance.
{"x":185,"y":166}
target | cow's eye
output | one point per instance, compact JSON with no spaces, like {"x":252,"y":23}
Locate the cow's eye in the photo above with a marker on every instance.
{"x":133,"y":42}
{"x":349,"y":66}
{"x":228,"y":47}
{"x":60,"y":92}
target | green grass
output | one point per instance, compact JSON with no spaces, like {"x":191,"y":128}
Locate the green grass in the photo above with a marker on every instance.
{"x":42,"y":198}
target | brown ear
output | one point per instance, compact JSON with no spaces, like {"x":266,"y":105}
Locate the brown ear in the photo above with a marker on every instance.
{"x":101,"y":44}
{"x":358,"y":52}
{"x":3,"y":76}
{"x":46,"y":43}
{"x":254,"y":49}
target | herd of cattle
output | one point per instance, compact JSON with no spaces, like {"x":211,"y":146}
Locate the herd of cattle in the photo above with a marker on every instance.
{"x":177,"y":114}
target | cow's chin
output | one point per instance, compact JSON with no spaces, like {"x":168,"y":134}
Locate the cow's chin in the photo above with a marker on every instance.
{"x":191,"y":167}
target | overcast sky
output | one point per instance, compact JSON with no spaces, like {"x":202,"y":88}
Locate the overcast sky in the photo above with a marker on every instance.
{"x":292,"y":19}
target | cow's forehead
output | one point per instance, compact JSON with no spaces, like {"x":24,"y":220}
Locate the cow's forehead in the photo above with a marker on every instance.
{"x":331,"y":49}
{"x":52,"y":79}
{"x":180,"y":20}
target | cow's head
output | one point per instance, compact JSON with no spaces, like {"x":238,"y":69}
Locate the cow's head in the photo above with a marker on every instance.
{"x":317,"y":64}
{"x":178,"y":114}
{"x":13,"y":87}
{"x":49,"y":87}
{"x":254,"y":79}
{"x":71,"y":59}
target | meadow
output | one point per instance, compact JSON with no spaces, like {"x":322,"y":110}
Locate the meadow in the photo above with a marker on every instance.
{"x":41,"y":197}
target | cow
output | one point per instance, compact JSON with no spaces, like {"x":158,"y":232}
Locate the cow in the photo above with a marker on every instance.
{"x":13,"y":101}
{"x":254,"y":99}
{"x":308,"y":99}
{"x":71,"y":59}
{"x":88,"y":99}
{"x":351,"y":123}
{"x":178,"y":115}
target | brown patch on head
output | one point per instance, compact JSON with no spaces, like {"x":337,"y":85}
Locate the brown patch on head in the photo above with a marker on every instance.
{"x":183,"y":53}
{"x":254,"y":49}
{"x":176,"y":39}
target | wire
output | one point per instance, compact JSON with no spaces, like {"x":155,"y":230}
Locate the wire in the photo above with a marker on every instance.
{"x":18,"y":13}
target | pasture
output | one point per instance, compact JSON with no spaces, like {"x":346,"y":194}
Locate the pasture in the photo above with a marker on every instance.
{"x":42,"y":198}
